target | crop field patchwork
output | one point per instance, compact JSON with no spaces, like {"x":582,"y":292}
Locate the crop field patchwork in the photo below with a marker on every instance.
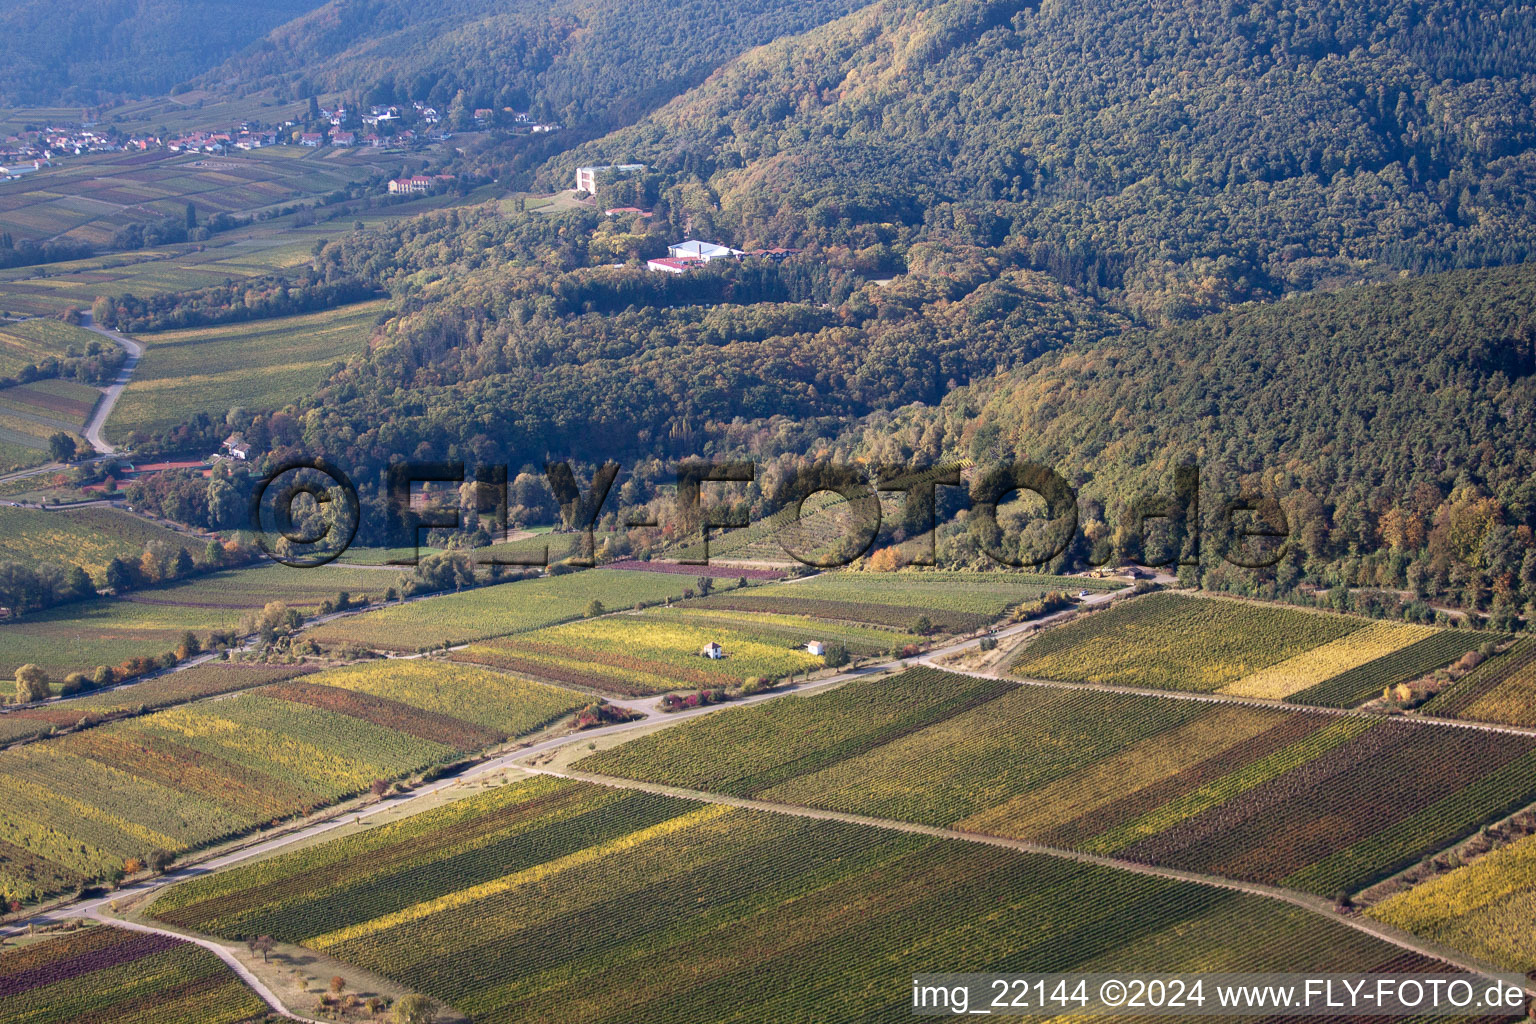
{"x":78,"y":637}
{"x":1305,"y":799}
{"x":1311,"y":667}
{"x":499,"y":610}
{"x":1173,"y":642}
{"x":491,"y":700}
{"x":549,"y":900}
{"x":90,"y":197}
{"x":1358,"y":685}
{"x":643,"y":653}
{"x":1486,"y":908}
{"x":262,"y":365}
{"x":1501,"y":689}
{"x":952,"y":602}
{"x":206,"y":680}
{"x":87,"y":537}
{"x":79,"y":805}
{"x":32,"y":413}
{"x":108,"y":975}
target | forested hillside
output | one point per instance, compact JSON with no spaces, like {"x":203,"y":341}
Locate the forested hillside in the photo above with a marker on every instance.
{"x":86,"y":51}
{"x":1395,"y":423}
{"x":1181,"y":155}
{"x":591,"y":66}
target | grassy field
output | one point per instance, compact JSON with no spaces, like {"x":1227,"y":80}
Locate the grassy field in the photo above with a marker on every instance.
{"x":1303,"y":799}
{"x":87,"y":537}
{"x":951,"y":601}
{"x":108,"y":975}
{"x":1486,"y":908}
{"x":27,"y":342}
{"x":266,"y":364}
{"x":81,"y":804}
{"x":499,"y":610}
{"x":150,"y":622}
{"x":664,"y":910}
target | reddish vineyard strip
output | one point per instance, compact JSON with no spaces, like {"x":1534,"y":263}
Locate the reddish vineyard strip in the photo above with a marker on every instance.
{"x":135,"y":947}
{"x":104,"y":975}
{"x":391,"y":714}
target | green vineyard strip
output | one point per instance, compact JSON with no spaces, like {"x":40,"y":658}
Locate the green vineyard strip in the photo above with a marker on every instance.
{"x":1358,"y":685}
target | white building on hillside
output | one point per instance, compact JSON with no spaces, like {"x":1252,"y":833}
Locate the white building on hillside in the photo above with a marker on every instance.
{"x":693,"y":249}
{"x":586,"y":177}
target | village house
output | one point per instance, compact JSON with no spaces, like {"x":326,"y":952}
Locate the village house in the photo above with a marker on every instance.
{"x":312,"y":139}
{"x":235,"y":445}
{"x":343,"y":138}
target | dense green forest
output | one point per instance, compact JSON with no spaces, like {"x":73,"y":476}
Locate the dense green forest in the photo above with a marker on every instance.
{"x":88,"y":51}
{"x":1080,"y":234}
{"x":591,"y":66}
{"x":1395,"y":425}
{"x":1177,"y":155}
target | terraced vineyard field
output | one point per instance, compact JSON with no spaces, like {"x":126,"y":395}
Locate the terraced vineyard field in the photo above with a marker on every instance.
{"x":551,"y":900}
{"x":1305,"y":799}
{"x":80,"y":805}
{"x":1358,"y":685}
{"x":87,"y":537}
{"x":148,"y":623}
{"x":207,"y":680}
{"x":261,"y":365}
{"x":1174,"y":642}
{"x":952,"y":602}
{"x":500,"y":610}
{"x":1486,"y":908}
{"x":109,"y":975}
{"x":1501,"y":689}
{"x":652,"y":653}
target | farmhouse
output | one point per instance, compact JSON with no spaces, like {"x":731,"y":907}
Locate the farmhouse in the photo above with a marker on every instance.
{"x":417,"y":183}
{"x":343,"y":138}
{"x":311,"y":139}
{"x":712,"y":650}
{"x":235,"y":445}
{"x":586,"y":177}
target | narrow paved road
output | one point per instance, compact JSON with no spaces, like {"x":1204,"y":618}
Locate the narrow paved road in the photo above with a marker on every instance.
{"x":111,"y":394}
{"x":256,"y":985}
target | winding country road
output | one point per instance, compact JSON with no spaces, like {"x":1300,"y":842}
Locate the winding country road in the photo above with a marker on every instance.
{"x":112,"y":393}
